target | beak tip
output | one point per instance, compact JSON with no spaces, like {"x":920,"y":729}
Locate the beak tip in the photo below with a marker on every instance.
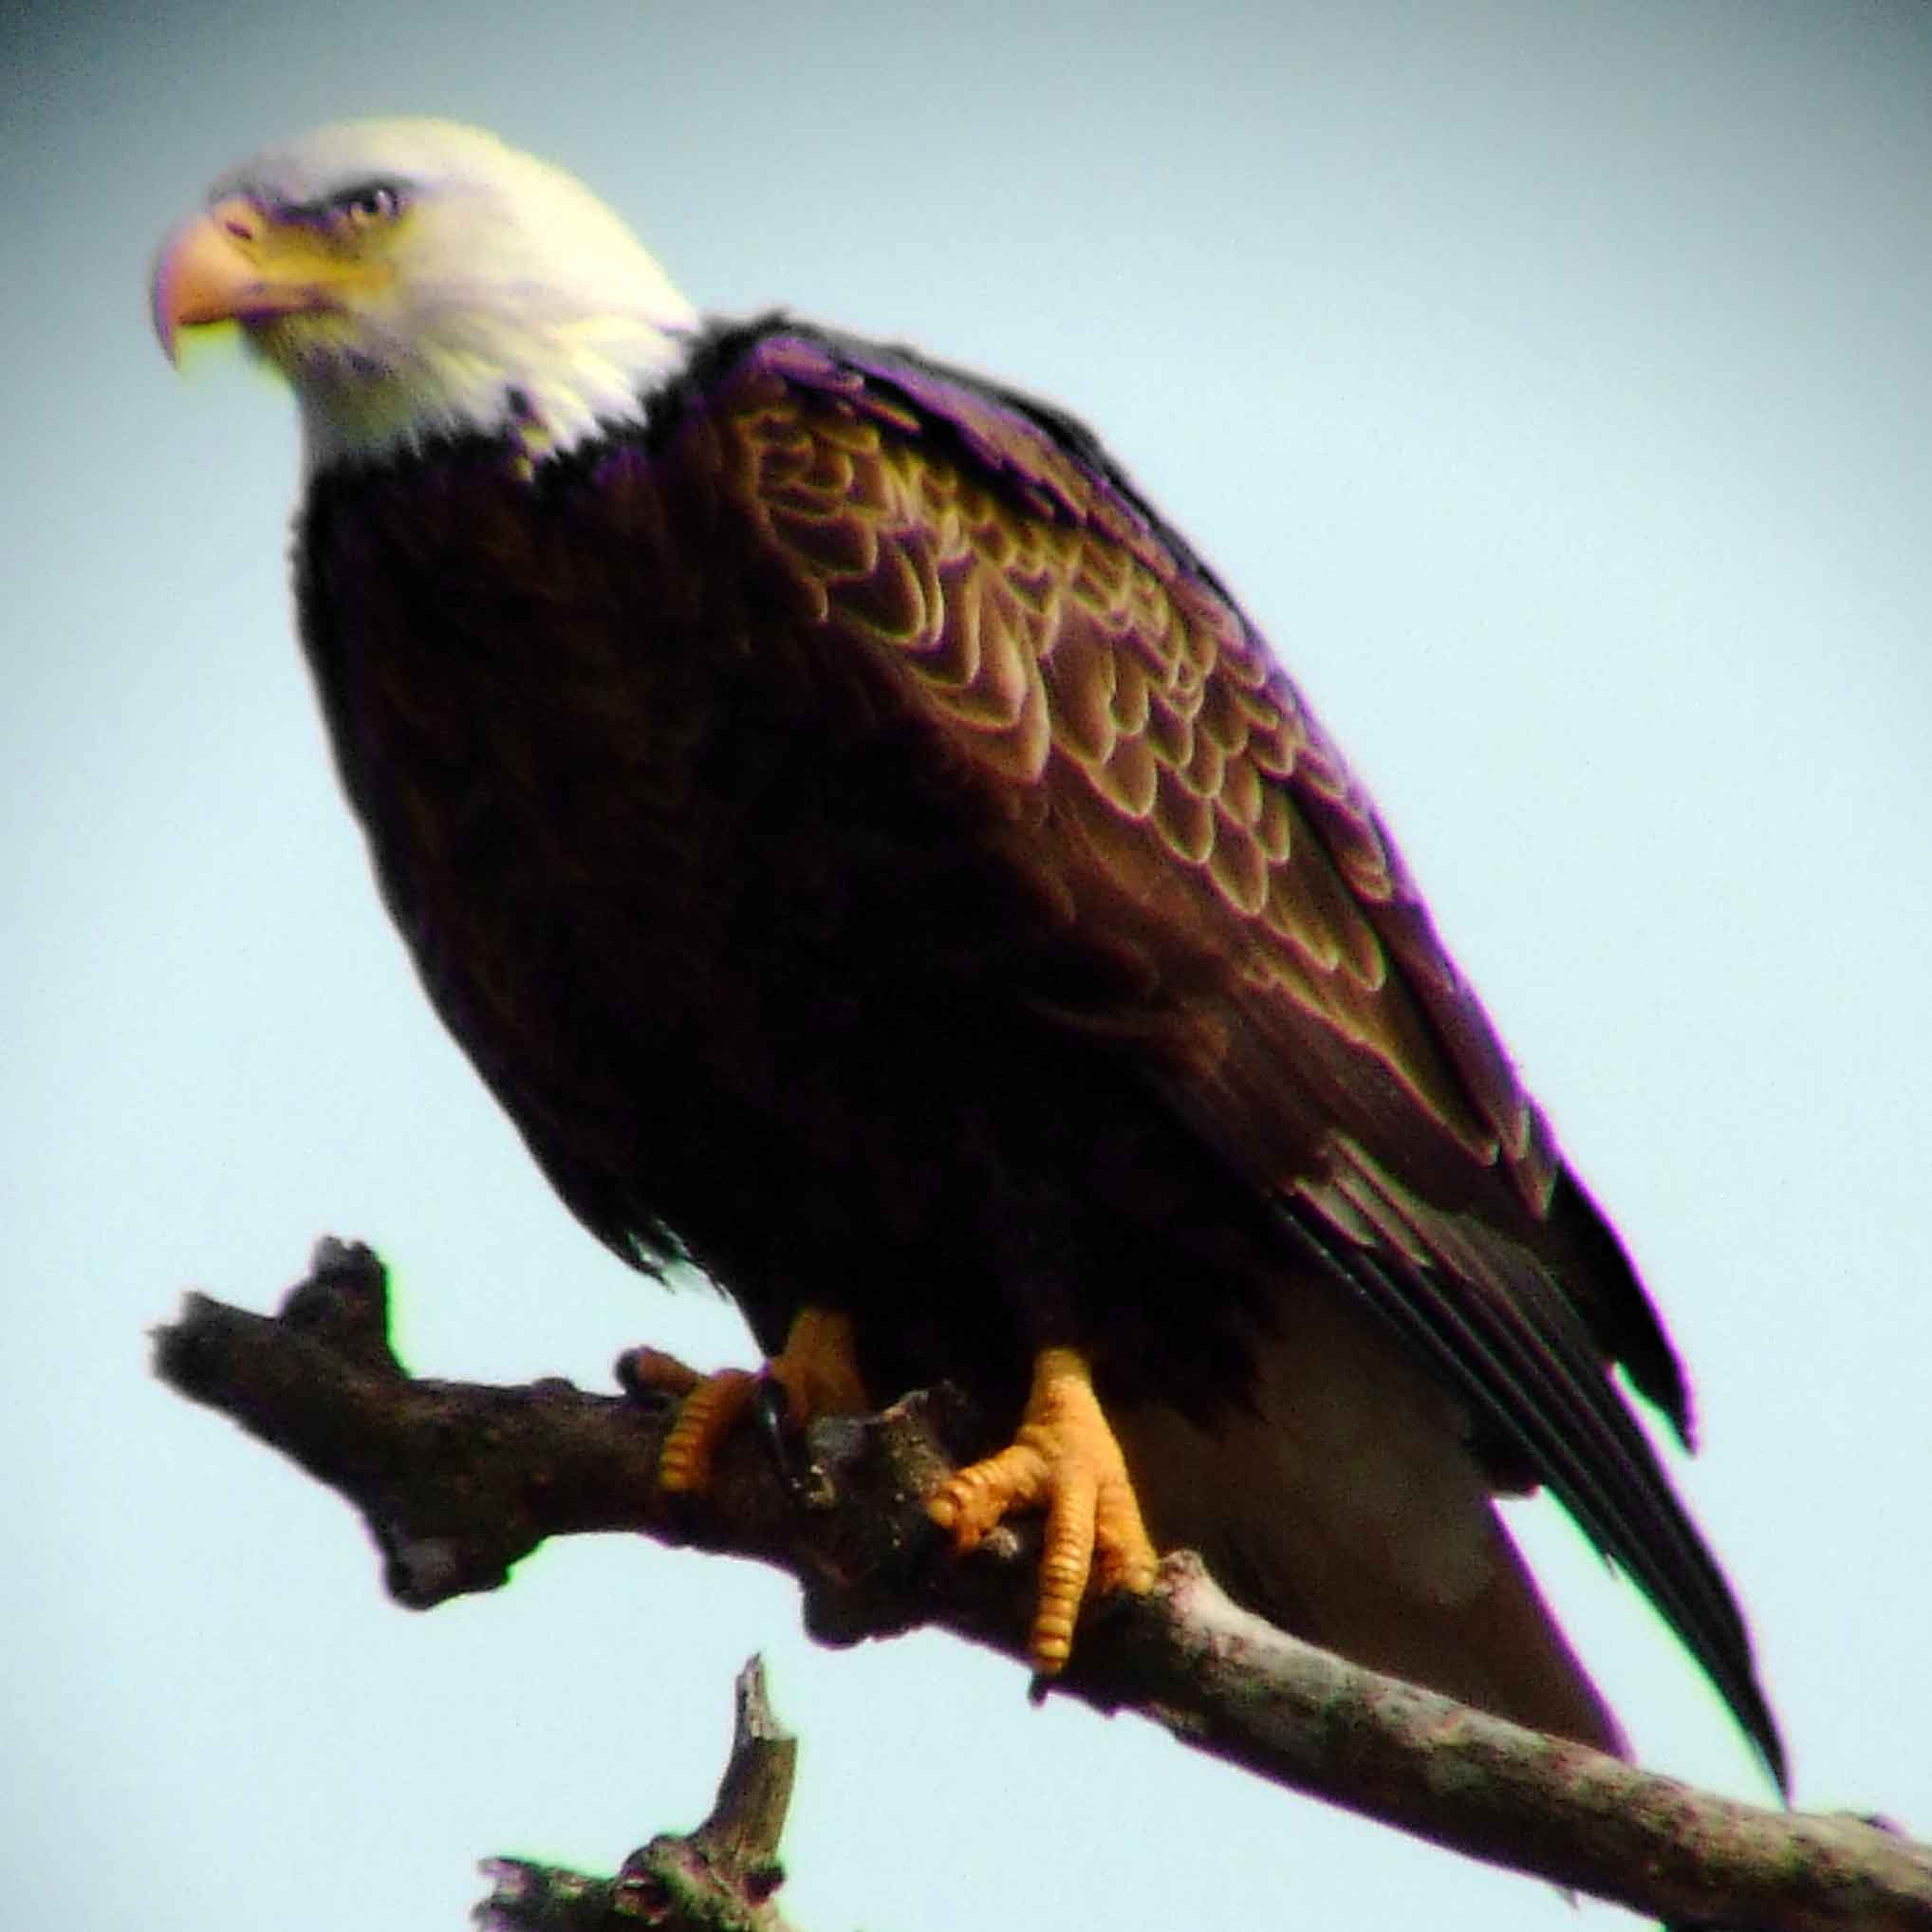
{"x":165,"y":291}
{"x":163,"y":324}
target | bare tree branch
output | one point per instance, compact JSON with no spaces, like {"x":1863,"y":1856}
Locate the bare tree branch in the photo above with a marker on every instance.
{"x":718,"y":1879}
{"x":457,"y":1481}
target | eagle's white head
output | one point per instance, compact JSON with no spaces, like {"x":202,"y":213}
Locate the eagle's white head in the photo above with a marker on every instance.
{"x":419,"y":278}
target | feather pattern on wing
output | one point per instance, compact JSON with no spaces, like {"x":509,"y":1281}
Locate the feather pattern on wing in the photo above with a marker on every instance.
{"x":1310,"y":1026}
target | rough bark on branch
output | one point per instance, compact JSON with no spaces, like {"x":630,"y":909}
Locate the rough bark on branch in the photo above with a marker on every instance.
{"x":457,"y":1481}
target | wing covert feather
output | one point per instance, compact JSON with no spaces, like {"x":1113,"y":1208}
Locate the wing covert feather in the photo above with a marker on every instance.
{"x":1067,"y":646}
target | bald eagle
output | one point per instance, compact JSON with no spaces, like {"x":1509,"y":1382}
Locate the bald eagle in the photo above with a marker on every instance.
{"x":870,"y":856}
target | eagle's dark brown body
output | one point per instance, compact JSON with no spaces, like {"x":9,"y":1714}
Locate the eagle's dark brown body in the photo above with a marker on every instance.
{"x":866,"y":851}
{"x":751,"y":968}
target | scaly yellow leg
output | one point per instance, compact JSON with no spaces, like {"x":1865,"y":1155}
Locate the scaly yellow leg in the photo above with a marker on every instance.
{"x":817,"y":1368}
{"x":1064,"y":1454}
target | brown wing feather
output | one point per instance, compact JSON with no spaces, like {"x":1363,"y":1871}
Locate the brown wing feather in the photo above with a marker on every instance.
{"x":1197,"y":808}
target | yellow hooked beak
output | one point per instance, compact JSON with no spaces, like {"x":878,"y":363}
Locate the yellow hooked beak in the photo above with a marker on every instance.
{"x":233,"y":264}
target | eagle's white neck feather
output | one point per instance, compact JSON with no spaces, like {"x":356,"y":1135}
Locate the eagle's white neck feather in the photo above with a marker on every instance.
{"x":552,"y":386}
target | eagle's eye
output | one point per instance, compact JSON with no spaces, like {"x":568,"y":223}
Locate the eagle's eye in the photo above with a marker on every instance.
{"x":365,"y":205}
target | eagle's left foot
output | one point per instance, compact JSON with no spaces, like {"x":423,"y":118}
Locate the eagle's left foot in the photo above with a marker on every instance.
{"x":1065,"y":1455}
{"x":817,"y":1369}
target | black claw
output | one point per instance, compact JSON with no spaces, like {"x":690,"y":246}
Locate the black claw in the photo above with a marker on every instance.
{"x":784,"y":1440}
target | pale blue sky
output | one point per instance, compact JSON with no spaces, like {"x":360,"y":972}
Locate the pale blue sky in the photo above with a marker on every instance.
{"x":1551,"y":382}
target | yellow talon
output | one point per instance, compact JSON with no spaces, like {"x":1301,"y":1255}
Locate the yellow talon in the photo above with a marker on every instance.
{"x":1065,"y":1455}
{"x":817,"y":1368}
